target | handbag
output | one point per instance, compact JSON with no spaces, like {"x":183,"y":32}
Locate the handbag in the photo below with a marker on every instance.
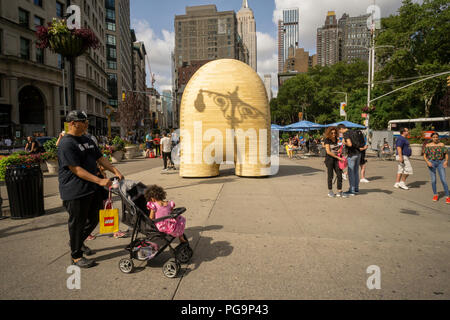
{"x":109,"y":217}
{"x":342,"y":164}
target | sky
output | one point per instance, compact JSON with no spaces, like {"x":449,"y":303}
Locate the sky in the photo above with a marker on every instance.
{"x":153,"y":21}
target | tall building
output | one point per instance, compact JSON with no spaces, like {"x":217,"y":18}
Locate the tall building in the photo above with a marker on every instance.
{"x":203,"y":34}
{"x":328,"y":35}
{"x":354,"y":36}
{"x":280,"y":46}
{"x":31,"y":79}
{"x":118,"y":53}
{"x":291,"y":30}
{"x":247,"y":31}
{"x":139,"y":77}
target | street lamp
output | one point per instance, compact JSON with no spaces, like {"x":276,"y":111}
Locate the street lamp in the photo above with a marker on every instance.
{"x":108,"y":111}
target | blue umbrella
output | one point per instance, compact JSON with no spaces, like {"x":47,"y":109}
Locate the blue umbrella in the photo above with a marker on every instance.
{"x":348,"y":124}
{"x":305,"y":125}
{"x":277,"y":127}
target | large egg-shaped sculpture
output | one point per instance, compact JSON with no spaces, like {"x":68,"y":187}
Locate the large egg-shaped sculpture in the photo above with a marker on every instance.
{"x":225,"y":118}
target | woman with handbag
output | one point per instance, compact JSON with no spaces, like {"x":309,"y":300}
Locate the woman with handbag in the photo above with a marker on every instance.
{"x":334,"y":161}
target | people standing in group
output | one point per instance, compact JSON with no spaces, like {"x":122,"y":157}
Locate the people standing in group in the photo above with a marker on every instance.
{"x":332,"y":159}
{"x":436,"y":157}
{"x":403,"y":152}
{"x":148,"y":145}
{"x":363,"y":162}
{"x":156,"y":145}
{"x":353,"y":158}
{"x":79,"y":185}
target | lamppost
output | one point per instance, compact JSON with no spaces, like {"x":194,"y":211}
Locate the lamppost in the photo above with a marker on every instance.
{"x":108,"y":111}
{"x":346,"y":99}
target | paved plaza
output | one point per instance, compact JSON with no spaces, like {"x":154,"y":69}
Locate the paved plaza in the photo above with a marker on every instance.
{"x":266,"y":238}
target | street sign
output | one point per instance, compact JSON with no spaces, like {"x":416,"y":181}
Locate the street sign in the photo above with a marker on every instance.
{"x":342,"y":109}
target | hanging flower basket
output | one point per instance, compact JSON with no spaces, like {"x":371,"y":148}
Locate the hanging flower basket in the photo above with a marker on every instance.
{"x":69,"y":43}
{"x":369,"y":110}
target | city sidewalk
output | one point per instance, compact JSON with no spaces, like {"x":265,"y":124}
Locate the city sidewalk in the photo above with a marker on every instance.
{"x":264,"y":238}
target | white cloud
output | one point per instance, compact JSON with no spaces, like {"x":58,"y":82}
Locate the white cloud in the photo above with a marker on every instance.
{"x":159,"y":53}
{"x":313,"y":13}
{"x":267,"y":57}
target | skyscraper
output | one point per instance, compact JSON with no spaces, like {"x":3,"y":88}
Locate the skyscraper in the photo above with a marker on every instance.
{"x":291,"y":30}
{"x":328,"y":41}
{"x":280,"y":46}
{"x":246,"y":26}
{"x":354,"y":36}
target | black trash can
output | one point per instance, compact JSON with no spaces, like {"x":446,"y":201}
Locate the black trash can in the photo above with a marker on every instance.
{"x":25,"y":185}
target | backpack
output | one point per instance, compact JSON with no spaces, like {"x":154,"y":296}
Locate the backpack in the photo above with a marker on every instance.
{"x":357,"y":139}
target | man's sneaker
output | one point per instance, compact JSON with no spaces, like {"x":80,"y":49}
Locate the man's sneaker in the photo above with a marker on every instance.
{"x":403,"y":186}
{"x":84,"y":263}
{"x":397,"y":185}
{"x":364,"y":180}
{"x":436,"y":198}
{"x":331,"y":194}
{"x":344,"y":176}
{"x":447,"y":201}
{"x":349,"y":193}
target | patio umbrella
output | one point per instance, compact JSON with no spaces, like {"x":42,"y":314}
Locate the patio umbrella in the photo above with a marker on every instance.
{"x":348,"y":124}
{"x":277,"y":127}
{"x":305,"y":125}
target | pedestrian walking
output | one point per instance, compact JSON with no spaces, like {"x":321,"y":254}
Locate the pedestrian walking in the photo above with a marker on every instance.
{"x":156,"y":145}
{"x":79,"y":185}
{"x":363,"y":163}
{"x":166,"y":149}
{"x":353,"y":158}
{"x":403,"y":152}
{"x":436,"y":157}
{"x":332,"y":162}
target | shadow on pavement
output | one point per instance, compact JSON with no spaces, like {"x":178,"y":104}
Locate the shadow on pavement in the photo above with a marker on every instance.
{"x":411,"y":212}
{"x":4,"y":233}
{"x":416,"y":184}
{"x":366,"y":191}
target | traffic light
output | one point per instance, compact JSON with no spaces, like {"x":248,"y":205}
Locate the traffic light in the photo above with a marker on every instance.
{"x":123,"y":96}
{"x":448,"y":81}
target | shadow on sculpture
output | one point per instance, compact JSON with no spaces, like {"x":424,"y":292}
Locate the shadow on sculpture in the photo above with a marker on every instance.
{"x":234,"y":110}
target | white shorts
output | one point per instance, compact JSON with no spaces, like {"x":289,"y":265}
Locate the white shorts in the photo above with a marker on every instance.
{"x":405,"y":167}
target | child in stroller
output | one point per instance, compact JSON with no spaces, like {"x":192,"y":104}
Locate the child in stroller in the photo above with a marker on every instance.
{"x":135,"y":214}
{"x":159,"y":208}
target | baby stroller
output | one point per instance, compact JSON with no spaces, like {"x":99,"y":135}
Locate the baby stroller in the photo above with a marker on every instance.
{"x":135,"y":214}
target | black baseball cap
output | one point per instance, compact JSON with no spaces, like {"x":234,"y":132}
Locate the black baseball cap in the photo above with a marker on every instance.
{"x":76,"y":115}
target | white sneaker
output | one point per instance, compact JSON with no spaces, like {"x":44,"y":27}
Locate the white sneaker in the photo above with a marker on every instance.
{"x":344,"y":176}
{"x":403,"y":186}
{"x":364,"y":180}
{"x":397,"y":185}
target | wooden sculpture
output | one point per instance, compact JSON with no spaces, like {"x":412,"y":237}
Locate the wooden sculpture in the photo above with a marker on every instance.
{"x":225,"y":118}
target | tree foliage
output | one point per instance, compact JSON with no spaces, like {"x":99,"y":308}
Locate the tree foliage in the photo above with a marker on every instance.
{"x":131,"y":112}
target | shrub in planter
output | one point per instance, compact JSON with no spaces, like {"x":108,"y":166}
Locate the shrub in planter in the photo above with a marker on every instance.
{"x":15,"y":159}
{"x":118,"y":144}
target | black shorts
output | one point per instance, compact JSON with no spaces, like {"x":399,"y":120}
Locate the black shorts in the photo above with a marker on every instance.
{"x":363,"y":158}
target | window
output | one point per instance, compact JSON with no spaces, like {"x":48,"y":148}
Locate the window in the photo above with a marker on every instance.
{"x":110,"y":14}
{"x":38,"y":22}
{"x":38,"y":3}
{"x":59,"y":9}
{"x":110,"y":39}
{"x":24,"y":18}
{"x":110,"y":4}
{"x":112,"y":65}
{"x":112,"y":53}
{"x":25,"y":48}
{"x":40,"y":55}
{"x":111,"y":26}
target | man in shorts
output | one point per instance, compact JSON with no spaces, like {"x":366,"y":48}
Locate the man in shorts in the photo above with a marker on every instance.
{"x":403,"y":152}
{"x":79,"y":186}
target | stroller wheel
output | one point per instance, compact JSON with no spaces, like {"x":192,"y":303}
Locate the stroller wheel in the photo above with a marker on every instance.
{"x":126,"y":265}
{"x":183,"y":253}
{"x":171,"y":268}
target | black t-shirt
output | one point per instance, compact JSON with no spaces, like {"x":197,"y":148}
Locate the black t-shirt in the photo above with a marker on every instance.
{"x":334,"y":147}
{"x":77,"y":152}
{"x":351,"y":151}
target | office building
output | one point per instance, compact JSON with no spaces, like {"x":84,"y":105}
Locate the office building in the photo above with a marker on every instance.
{"x":246,"y":26}
{"x":290,"y":30}
{"x":354,"y":37}
{"x":31,"y":79}
{"x":328,"y":43}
